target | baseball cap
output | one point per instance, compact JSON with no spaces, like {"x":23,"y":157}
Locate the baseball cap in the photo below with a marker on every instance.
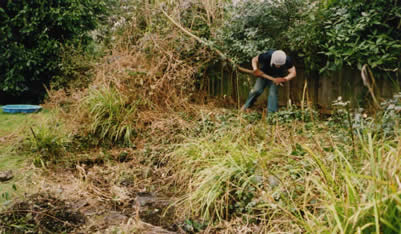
{"x":278,"y":58}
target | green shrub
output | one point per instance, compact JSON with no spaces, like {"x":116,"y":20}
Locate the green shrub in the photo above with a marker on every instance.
{"x":31,"y":36}
{"x":252,"y":27}
{"x":353,"y":33}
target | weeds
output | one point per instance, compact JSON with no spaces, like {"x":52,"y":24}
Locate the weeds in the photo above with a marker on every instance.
{"x":49,"y":141}
{"x":264,"y":173}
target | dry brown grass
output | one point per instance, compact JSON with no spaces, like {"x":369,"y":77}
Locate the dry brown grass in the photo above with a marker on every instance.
{"x":151,"y":68}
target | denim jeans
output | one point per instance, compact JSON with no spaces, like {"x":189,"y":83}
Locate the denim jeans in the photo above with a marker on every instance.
{"x":257,"y":90}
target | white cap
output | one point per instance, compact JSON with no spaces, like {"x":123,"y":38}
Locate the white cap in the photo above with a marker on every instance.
{"x":278,"y":58}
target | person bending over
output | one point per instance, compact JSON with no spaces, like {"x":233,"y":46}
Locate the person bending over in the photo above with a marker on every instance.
{"x":271,"y":68}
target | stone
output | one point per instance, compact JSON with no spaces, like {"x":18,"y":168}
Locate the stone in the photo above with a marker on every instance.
{"x":6,"y":175}
{"x":115,"y":218}
{"x":145,"y":199}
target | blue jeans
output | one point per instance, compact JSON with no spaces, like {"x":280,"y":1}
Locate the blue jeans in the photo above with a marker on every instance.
{"x":260,"y":85}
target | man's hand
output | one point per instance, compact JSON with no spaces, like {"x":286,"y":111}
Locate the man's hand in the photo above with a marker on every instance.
{"x":257,"y":73}
{"x":279,"y":80}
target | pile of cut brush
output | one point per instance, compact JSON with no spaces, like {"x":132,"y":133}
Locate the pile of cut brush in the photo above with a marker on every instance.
{"x":40,"y":213}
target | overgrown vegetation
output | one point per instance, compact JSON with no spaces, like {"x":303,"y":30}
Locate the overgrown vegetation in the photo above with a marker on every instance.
{"x":326,"y":35}
{"x":112,"y":117}
{"x":310,"y":175}
{"x":252,"y":27}
{"x":142,"y":148}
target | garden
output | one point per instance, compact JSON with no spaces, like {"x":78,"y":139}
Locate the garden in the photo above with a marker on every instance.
{"x":138,"y":132}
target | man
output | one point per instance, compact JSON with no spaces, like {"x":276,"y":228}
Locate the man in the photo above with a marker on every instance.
{"x":271,"y":68}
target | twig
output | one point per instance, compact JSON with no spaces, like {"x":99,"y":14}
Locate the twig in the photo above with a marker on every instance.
{"x":34,"y":136}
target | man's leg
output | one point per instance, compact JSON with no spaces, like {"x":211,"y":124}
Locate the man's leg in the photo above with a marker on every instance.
{"x":272,"y":101}
{"x":255,"y":92}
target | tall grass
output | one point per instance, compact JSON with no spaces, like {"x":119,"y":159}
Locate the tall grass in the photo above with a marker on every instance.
{"x":111,"y":116}
{"x":225,"y":174}
{"x":292,"y":177}
{"x":223,"y":179}
{"x":49,"y":140}
{"x":369,"y":197}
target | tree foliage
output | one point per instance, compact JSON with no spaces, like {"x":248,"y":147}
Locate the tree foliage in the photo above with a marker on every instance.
{"x":32,"y":34}
{"x":342,"y":32}
{"x":254,"y":26}
{"x":325,"y":34}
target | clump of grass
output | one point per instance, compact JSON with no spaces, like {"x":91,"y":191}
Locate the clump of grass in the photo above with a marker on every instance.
{"x":111,"y":116}
{"x":224,"y":174}
{"x":368,"y":199}
{"x":291,"y":176}
{"x":49,"y":141}
{"x":226,"y":186}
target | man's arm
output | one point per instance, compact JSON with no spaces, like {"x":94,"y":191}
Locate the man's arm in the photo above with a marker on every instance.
{"x":257,"y":72}
{"x":292,"y":73}
{"x":255,"y":62}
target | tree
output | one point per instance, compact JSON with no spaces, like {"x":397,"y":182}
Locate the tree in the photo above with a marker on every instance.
{"x":32,"y":33}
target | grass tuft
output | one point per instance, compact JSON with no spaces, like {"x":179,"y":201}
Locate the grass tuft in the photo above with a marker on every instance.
{"x":112,"y":117}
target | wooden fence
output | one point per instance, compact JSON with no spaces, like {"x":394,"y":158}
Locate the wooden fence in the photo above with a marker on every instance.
{"x":317,"y":90}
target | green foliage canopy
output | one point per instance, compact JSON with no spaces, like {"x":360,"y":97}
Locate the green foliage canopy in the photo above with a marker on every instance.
{"x":342,"y":32}
{"x":326,"y":35}
{"x":254,"y":26}
{"x":32,"y":34}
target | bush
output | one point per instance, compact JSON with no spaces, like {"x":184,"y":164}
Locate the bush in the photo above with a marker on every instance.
{"x":31,"y":36}
{"x":253,"y":27}
{"x":350,"y":33}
